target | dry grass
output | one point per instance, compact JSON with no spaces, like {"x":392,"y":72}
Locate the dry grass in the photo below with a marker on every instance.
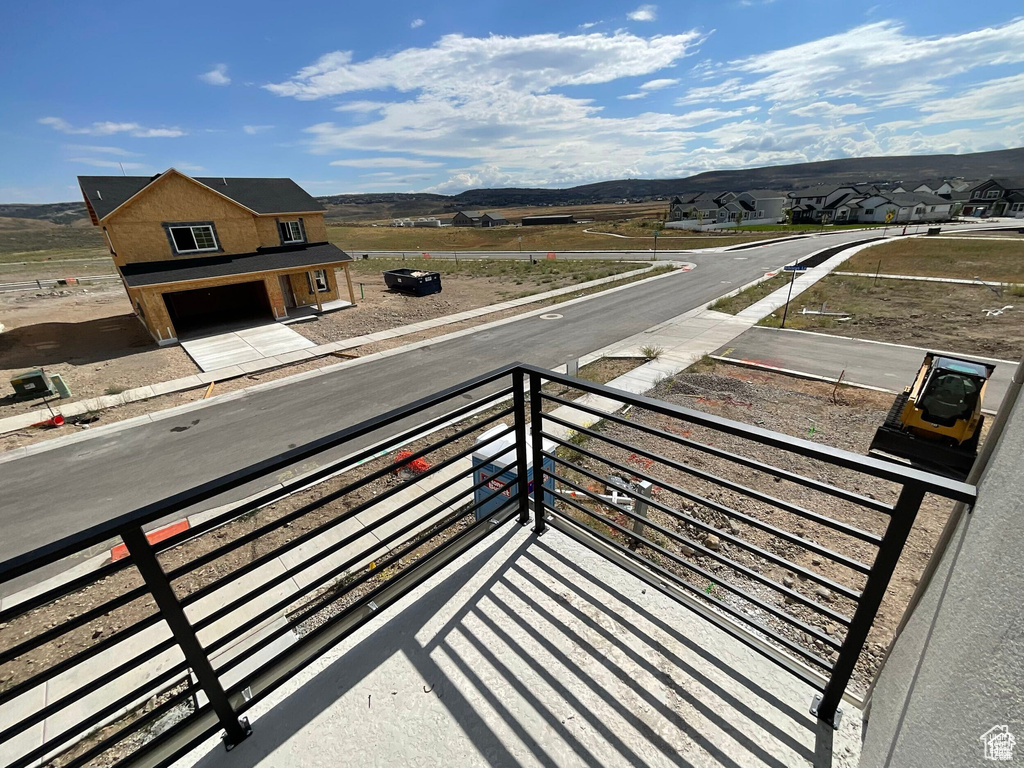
{"x":554,"y":238}
{"x":941,"y":315}
{"x":989,"y":260}
{"x":735,"y":304}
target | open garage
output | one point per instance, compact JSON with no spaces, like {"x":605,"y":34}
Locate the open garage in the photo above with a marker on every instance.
{"x":216,"y":308}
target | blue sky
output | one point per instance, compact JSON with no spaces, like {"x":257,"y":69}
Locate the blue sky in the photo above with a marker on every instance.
{"x":445,"y":96}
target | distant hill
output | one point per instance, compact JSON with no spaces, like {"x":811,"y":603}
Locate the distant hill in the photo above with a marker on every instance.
{"x":369,"y":207}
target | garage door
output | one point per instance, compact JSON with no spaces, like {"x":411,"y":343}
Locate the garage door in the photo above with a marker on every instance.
{"x":207,"y":309}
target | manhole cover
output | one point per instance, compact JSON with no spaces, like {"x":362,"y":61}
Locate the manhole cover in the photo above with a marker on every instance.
{"x":551,"y":316}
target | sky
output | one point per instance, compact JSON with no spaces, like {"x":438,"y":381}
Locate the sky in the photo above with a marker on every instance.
{"x":443,"y":96}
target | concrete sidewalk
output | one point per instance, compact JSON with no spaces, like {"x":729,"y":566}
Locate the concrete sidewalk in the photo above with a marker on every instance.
{"x":22,"y":421}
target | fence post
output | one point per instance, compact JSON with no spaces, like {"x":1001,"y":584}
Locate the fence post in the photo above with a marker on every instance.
{"x":170,"y":609}
{"x":536,"y":431}
{"x":889,"y":550}
{"x":522,"y":447}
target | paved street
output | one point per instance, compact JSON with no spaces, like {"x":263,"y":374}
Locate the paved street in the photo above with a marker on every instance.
{"x":51,"y":495}
{"x":889,"y":366}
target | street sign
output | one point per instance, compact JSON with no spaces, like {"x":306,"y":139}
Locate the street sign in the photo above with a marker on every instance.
{"x":795,"y":268}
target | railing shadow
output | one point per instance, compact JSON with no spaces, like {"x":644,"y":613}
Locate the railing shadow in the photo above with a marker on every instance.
{"x":542,"y":663}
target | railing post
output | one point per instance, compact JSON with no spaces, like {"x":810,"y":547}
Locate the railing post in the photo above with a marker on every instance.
{"x":170,"y":609}
{"x":889,"y":551}
{"x":537,"y":438}
{"x":522,"y":448}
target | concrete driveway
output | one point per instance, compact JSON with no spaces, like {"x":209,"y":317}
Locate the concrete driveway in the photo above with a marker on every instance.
{"x":243,"y":345}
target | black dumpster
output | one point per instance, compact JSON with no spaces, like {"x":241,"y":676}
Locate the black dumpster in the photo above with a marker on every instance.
{"x":415,"y":282}
{"x":932,"y":231}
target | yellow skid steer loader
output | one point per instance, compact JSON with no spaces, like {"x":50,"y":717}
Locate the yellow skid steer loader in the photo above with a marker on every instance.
{"x":935,"y":424}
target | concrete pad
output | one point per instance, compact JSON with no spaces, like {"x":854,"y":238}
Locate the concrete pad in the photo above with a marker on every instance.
{"x":308,"y":558}
{"x":176,"y":385}
{"x":233,"y":348}
{"x":537,"y":652}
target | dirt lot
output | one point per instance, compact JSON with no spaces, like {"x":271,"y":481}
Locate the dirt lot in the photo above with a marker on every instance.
{"x":946,"y":316}
{"x":989,"y":259}
{"x":800,"y":408}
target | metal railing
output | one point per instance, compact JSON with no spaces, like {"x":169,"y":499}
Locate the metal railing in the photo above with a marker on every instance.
{"x":156,"y":651}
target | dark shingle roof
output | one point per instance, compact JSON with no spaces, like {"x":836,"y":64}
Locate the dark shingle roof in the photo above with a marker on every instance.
{"x":471,"y":214}
{"x":177,"y":270}
{"x":107,"y":193}
{"x":917,"y":198}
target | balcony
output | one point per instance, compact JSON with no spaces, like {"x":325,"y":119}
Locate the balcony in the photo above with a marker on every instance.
{"x":659,"y":594}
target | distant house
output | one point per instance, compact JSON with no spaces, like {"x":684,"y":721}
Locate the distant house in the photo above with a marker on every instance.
{"x":721,"y":210}
{"x":194,"y":253}
{"x":493,"y":220}
{"x":810,"y":206}
{"x":468,"y":219}
{"x":996,"y":197}
{"x":552,"y":218}
{"x":905,"y":208}
{"x":941,"y":187}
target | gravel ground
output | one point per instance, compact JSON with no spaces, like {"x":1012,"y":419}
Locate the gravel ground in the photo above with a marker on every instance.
{"x":800,"y":408}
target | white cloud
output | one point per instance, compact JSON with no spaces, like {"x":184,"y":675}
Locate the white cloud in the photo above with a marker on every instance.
{"x":252,"y":130}
{"x":113,"y":164}
{"x":657,"y":85}
{"x":216,"y":76}
{"x":644,"y":13}
{"x":416,"y":23}
{"x":361,"y":106}
{"x":111,"y":128}
{"x":633,"y":96}
{"x":386,"y":162}
{"x":877,"y":63}
{"x":101,"y":150}
{"x":590,"y":24}
{"x":999,"y":100}
{"x":456,"y":64}
{"x":188,"y":167}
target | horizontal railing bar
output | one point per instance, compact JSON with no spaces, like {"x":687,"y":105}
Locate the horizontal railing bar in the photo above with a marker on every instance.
{"x":321,"y":502}
{"x":333,"y":468}
{"x":722,"y":606}
{"x":172,"y":743}
{"x":139,"y":722}
{"x":712,"y":578}
{"x":101,"y":532}
{"x":708,"y":552}
{"x":886,"y":470}
{"x":109,"y":569}
{"x":795,"y":509}
{"x":326,"y":577}
{"x":70,"y":624}
{"x":95,"y":717}
{"x":315,"y":607}
{"x":65,"y":664}
{"x":344,"y":517}
{"x":272,"y":674}
{"x":738,"y":541}
{"x":661,"y":579}
{"x":737,"y":458}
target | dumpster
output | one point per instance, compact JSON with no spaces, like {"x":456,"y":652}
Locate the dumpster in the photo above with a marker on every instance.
{"x":489,"y":463}
{"x":932,"y":231}
{"x":416,"y":282}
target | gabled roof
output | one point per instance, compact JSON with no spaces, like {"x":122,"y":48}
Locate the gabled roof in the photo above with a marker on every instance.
{"x":494,"y":217}
{"x":917,"y":198}
{"x":470,"y":214}
{"x":760,"y":194}
{"x":105,"y":194}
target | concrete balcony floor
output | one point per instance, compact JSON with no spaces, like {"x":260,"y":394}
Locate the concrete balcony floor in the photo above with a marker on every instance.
{"x":531,"y":652}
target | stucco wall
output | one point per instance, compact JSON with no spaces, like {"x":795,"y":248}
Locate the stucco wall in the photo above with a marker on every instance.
{"x":958,"y":668}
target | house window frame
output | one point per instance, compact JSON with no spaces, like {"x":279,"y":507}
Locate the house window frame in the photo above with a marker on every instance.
{"x":170,"y":226}
{"x":991,"y":194}
{"x":298,"y":225}
{"x":313,"y":281}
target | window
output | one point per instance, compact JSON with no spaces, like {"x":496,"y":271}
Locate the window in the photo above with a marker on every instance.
{"x":760,"y":214}
{"x":319,"y":277}
{"x":932,"y":209}
{"x":992,"y":194}
{"x":869,"y":211}
{"x":193,"y":238}
{"x":291,"y":232}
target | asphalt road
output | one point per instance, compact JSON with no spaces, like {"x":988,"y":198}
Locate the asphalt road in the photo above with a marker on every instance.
{"x":53,"y":494}
{"x":888,"y":366}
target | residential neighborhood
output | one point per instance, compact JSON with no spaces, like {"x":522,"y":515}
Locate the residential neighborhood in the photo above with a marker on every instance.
{"x":478,"y":385}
